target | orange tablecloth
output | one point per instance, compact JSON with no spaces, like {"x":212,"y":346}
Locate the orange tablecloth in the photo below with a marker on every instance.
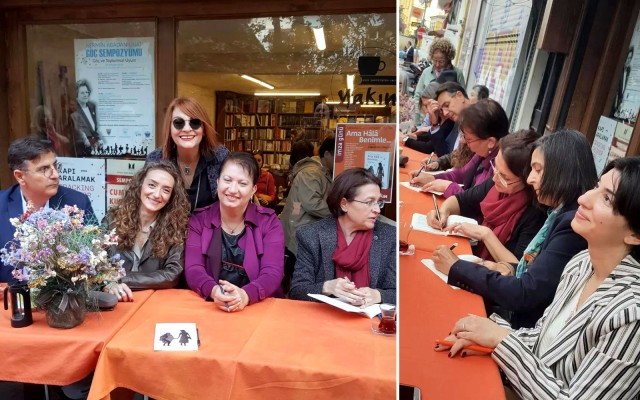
{"x":428,"y":310}
{"x":276,"y":349}
{"x":44,"y":355}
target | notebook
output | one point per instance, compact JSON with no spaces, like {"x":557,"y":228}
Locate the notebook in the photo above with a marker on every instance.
{"x":419,"y":223}
{"x":419,"y":188}
{"x":370,"y":311}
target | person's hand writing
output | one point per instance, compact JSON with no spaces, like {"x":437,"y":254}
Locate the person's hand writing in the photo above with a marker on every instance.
{"x":477,"y":232}
{"x":120,"y":290}
{"x":421,"y":180}
{"x":432,"y":219}
{"x":443,"y":259}
{"x":481,"y":331}
{"x":432,"y":166}
{"x":345,"y":289}
{"x":436,"y":185}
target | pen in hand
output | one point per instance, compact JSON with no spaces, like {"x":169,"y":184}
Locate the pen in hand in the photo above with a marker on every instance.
{"x":348,"y":281}
{"x":417,"y":175}
{"x":223,"y":292}
{"x":435,"y":204}
{"x":453,"y":246}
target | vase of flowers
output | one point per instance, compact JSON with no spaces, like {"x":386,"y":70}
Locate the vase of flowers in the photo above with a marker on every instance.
{"x":61,"y":258}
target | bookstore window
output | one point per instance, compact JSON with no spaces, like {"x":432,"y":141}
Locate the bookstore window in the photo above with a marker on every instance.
{"x":269,"y":81}
{"x":87,"y":84}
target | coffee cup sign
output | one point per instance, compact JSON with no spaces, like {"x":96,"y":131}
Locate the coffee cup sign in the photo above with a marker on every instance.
{"x":370,"y":65}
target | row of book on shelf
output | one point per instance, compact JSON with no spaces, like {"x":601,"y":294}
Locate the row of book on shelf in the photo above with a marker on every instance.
{"x":250,"y":120}
{"x":267,"y":133}
{"x":264,"y":145}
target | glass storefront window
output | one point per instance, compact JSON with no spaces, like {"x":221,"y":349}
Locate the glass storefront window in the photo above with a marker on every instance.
{"x":342,"y":66}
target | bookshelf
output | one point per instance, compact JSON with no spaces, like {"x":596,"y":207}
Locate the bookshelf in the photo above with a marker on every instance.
{"x":248,"y":123}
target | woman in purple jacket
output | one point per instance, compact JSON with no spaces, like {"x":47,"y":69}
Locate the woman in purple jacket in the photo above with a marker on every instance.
{"x":234,"y":254}
{"x":481,"y":127}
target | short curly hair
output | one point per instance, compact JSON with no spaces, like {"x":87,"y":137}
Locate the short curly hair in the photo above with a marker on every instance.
{"x":444,"y":46}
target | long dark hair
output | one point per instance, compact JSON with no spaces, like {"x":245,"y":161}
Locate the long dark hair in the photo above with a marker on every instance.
{"x":569,"y":168}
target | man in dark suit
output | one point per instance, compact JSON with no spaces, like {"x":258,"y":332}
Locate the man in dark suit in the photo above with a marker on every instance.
{"x":35,"y":168}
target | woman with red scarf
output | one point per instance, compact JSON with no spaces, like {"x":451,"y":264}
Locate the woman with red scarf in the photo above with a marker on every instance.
{"x":351,"y":255}
{"x":504,"y":207}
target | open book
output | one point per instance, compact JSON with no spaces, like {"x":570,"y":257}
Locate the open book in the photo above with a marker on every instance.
{"x":370,"y":311}
{"x":419,"y":223}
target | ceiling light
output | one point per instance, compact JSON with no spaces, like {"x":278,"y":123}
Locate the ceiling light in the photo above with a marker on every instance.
{"x":350,"y":80}
{"x":320,"y":42}
{"x":332,"y":102}
{"x":373,"y":105}
{"x":287,"y":93}
{"x":258,"y":81}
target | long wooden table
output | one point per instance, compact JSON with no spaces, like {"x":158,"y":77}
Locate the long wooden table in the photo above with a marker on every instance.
{"x":44,"y":355}
{"x":428,"y":310}
{"x":275,"y":349}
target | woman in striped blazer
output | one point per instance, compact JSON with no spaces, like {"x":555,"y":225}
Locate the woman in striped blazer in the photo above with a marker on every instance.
{"x":587,"y":343}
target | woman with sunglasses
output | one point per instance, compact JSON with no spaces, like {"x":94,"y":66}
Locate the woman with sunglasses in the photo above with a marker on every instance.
{"x":562,"y":169}
{"x":585,"y":346}
{"x":503,"y":206}
{"x":235,"y":249}
{"x":351,"y":255}
{"x":190,"y":143}
{"x":151,"y":223}
{"x":482,"y":125}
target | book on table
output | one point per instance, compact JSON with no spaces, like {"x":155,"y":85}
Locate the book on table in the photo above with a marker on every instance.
{"x":370,"y":311}
{"x":182,"y":336}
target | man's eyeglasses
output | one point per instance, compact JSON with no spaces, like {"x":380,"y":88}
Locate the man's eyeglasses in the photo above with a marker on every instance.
{"x":47,"y":170}
{"x":371,"y":203}
{"x":194,"y":123}
{"x":503,"y":181}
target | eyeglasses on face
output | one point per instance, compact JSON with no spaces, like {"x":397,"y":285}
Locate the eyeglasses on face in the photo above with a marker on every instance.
{"x":501,"y":178}
{"x":179,"y":123}
{"x":371,"y":203}
{"x":46,"y":170}
{"x":466,"y":140}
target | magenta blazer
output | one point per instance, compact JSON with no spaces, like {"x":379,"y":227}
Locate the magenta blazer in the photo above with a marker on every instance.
{"x":263,"y":244}
{"x":465,"y":175}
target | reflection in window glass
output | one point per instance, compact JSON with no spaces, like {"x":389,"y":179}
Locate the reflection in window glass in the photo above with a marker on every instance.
{"x":323,"y":57}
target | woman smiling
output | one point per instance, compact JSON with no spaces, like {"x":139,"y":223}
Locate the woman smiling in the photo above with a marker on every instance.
{"x":235,"y":249}
{"x":151,"y":223}
{"x":190,"y":144}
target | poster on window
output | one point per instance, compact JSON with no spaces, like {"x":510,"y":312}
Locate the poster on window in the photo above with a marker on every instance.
{"x":86,"y":175}
{"x":114,"y":112}
{"x":627,"y":101}
{"x":368,"y":146}
{"x":602,"y":141}
{"x":119,"y":175}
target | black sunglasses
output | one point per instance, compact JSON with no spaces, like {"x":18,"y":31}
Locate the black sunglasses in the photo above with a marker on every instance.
{"x":194,"y":123}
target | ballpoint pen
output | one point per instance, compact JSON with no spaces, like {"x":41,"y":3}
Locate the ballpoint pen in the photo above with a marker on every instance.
{"x":435,"y":204}
{"x":429,"y":160}
{"x":453,"y":246}
{"x":223,"y":292}
{"x":417,"y":175}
